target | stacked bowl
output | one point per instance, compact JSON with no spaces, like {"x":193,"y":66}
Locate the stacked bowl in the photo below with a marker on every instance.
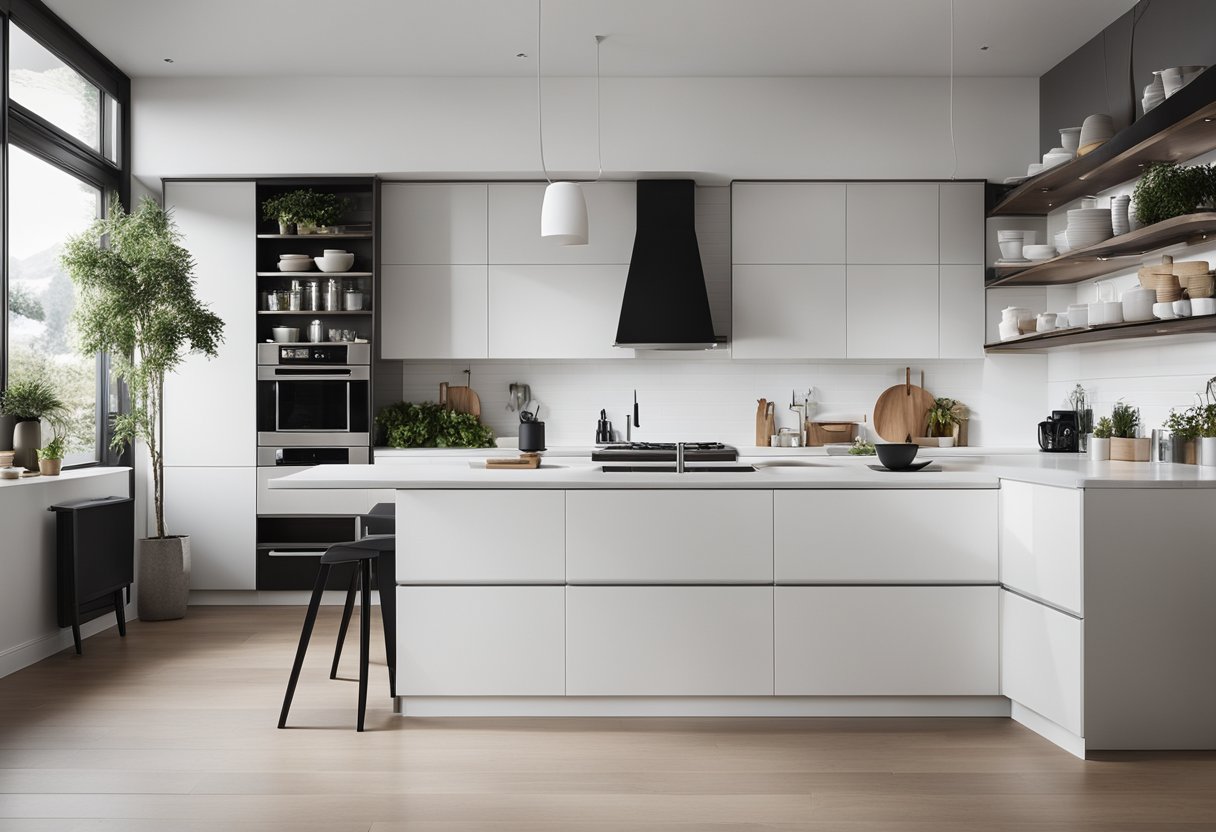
{"x":1011,"y":242}
{"x":1056,"y":156}
{"x":1088,"y":226}
{"x":294,"y":262}
{"x":1194,"y":277}
{"x":1038,"y":252}
{"x":335,"y":260}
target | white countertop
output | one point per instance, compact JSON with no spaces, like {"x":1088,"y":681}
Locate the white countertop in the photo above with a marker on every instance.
{"x":808,"y":468}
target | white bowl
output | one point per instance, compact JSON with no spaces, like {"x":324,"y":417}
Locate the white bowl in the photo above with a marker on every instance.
{"x":1038,"y":252}
{"x":335,"y":262}
{"x":1011,"y":249}
{"x":1163,"y":311}
{"x":1007,"y":330}
{"x":295,"y":266}
{"x":1095,"y":131}
{"x":285,"y":334}
{"x":295,"y":257}
{"x":327,"y":252}
{"x":1203,"y":306}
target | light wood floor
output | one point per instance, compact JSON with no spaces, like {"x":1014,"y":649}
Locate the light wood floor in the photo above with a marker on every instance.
{"x":173,"y":729}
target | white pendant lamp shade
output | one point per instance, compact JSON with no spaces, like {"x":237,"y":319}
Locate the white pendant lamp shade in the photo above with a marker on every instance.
{"x":563,"y":216}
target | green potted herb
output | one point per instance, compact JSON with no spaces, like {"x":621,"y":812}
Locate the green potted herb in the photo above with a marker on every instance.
{"x":1168,"y":190}
{"x":1126,"y":444}
{"x":941,"y":419}
{"x":30,"y":401}
{"x":1185,"y":426}
{"x":50,"y":456}
{"x":1099,"y":441}
{"x":136,"y":302}
{"x":428,"y":425}
{"x":305,"y":209}
{"x":1207,"y":425}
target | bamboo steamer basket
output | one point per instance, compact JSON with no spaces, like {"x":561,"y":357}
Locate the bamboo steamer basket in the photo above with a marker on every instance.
{"x":1195,"y":278}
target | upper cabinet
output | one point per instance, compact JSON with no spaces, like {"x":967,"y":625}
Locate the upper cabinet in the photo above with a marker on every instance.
{"x":433,"y":223}
{"x":514,"y":234}
{"x":788,"y":222}
{"x":893,"y":223}
{"x":960,"y":224}
{"x":433,"y":312}
{"x":556,"y":311}
{"x":782,"y":311}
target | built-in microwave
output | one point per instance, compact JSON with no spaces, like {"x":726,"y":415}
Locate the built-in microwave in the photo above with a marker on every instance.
{"x":314,"y":395}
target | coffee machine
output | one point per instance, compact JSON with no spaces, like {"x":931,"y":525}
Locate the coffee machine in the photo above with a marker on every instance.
{"x":1060,"y":432}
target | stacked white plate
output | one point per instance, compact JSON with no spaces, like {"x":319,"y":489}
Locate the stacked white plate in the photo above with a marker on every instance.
{"x":1088,"y":226}
{"x":1154,"y":93}
{"x":1056,"y":156}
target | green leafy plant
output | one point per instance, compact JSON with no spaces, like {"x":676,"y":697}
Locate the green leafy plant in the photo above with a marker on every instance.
{"x":31,"y":400}
{"x":306,"y":207}
{"x":1185,"y":424}
{"x":55,"y":449}
{"x":1169,"y":190}
{"x":136,"y":302}
{"x":1125,"y":421}
{"x":429,"y":425}
{"x":1104,"y":429}
{"x":942,"y":418}
{"x":862,"y":448}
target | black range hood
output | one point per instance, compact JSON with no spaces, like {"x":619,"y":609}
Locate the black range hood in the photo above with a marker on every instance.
{"x":666,"y":306}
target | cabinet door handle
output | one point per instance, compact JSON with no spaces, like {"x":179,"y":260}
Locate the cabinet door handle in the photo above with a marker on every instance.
{"x":294,"y":553}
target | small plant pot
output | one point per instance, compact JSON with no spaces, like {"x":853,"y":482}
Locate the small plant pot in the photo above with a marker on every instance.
{"x":164,"y":578}
{"x":1099,"y":449}
{"x":286,"y":228}
{"x":306,"y":228}
{"x":1207,"y":451}
{"x":50,"y":467}
{"x":27,"y":439}
{"x":1130,"y":450}
{"x":1186,"y":451}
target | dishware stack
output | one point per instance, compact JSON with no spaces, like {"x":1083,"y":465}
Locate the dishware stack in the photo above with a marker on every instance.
{"x":1070,"y":139}
{"x":1061,"y":239}
{"x":1038,"y":253}
{"x":1177,"y":77}
{"x":335,"y":260}
{"x":1015,"y":321}
{"x":1194,"y":277}
{"x":1088,"y":226}
{"x":1096,"y":131}
{"x":1154,"y":93}
{"x":1120,"y":221}
{"x":1011,"y":242}
{"x":1056,"y":156}
{"x":1138,"y":304}
{"x":295,"y":263}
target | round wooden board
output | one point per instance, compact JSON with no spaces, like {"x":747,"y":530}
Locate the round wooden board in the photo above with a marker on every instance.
{"x":901,"y":411}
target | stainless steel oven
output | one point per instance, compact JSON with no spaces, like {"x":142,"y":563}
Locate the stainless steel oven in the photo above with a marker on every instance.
{"x":314,"y":395}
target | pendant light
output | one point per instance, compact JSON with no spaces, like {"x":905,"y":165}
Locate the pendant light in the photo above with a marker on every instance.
{"x":563,"y":214}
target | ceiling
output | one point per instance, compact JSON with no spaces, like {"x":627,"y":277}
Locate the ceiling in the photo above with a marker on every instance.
{"x":644,"y":37}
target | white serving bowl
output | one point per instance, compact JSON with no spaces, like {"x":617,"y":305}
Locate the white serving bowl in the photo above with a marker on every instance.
{"x":295,"y":266}
{"x":335,"y":262}
{"x":285,"y":334}
{"x":1038,"y":252}
{"x":1011,"y":249}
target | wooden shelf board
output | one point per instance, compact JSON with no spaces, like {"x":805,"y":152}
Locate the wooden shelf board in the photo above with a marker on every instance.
{"x":1108,"y":256}
{"x":348,"y":235}
{"x":1179,"y":128}
{"x":299,"y":275}
{"x":1108,"y":332}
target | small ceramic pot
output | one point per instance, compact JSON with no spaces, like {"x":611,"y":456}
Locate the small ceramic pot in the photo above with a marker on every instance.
{"x":1099,"y":449}
{"x":1207,"y":451}
{"x":50,"y":467}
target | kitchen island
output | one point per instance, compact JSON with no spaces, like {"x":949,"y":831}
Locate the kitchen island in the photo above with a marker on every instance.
{"x":1073,"y":596}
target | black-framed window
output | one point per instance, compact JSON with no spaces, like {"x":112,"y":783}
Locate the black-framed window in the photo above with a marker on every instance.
{"x":66,"y":117}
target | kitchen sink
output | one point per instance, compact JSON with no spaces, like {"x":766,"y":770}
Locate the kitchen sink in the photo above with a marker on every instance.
{"x":671,"y":469}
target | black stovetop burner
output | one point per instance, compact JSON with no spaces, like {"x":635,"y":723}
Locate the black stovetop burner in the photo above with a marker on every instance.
{"x":666,"y":452}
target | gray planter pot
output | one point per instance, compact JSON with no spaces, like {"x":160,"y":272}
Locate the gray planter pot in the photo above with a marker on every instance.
{"x":164,"y":578}
{"x":27,"y":439}
{"x":7,"y":423}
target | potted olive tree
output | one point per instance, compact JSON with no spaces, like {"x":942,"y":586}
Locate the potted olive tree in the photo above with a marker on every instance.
{"x":136,"y":301}
{"x":28,"y":401}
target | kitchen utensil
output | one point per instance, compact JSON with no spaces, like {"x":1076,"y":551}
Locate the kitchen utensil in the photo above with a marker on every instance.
{"x":521,"y":463}
{"x":518,"y":395}
{"x":1011,"y":249}
{"x":531,"y":432}
{"x":830,"y":433}
{"x":603,"y":429}
{"x":896,"y":456}
{"x":899,"y":413}
{"x":636,"y":412}
{"x":1038,"y":252}
{"x":1119,"y":220}
{"x":285,"y":334}
{"x":316,"y":331}
{"x":1059,"y":433}
{"x":461,"y":399}
{"x":762,"y":438}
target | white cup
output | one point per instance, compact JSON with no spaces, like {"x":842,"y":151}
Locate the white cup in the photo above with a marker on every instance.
{"x":1097,"y":315}
{"x":1011,"y":249}
{"x":1163,"y":311}
{"x":1203,"y":306}
{"x":1078,"y":314}
{"x":1182,"y":308}
{"x":1112,"y":312}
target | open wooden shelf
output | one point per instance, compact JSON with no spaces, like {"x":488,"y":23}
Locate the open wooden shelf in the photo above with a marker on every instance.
{"x":1108,"y":332}
{"x":318,"y":273}
{"x":1179,"y":128}
{"x":346,"y":235}
{"x":1107,"y":257}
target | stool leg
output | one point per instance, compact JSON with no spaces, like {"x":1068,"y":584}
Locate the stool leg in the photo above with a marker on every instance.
{"x":386,"y":586}
{"x":346,"y":613}
{"x":365,"y":636}
{"x":310,"y":618}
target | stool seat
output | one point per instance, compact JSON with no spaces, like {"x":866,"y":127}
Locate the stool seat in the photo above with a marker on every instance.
{"x":364,"y":549}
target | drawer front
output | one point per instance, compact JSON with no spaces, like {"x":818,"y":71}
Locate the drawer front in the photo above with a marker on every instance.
{"x":481,"y":537}
{"x":886,"y":536}
{"x":480,"y":641}
{"x":309,"y":501}
{"x":887,"y":641}
{"x":669,"y":536}
{"x":1041,"y":542}
{"x":669,"y":641}
{"x":1041,"y":660}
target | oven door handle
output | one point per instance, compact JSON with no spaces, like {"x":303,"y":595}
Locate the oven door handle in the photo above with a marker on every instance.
{"x":313,"y":374}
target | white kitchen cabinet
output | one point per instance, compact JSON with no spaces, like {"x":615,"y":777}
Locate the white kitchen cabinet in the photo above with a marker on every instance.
{"x":892,"y":312}
{"x":669,"y":641}
{"x":1041,"y":660}
{"x":892,"y":223}
{"x":788,"y":222}
{"x":492,"y":536}
{"x":514,"y":233}
{"x":433,"y":312}
{"x":788,"y":311}
{"x":480,"y":640}
{"x":672,"y":537}
{"x":310,"y":501}
{"x":215,"y":506}
{"x":555,"y":311}
{"x":960,"y":312}
{"x":961,"y":223}
{"x":886,"y":641}
{"x":218,"y":222}
{"x":886,"y":536}
{"x":1041,"y":542}
{"x":433,"y":223}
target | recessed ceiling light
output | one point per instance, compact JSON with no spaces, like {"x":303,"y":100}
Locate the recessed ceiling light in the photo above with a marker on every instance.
{"x":167,"y":60}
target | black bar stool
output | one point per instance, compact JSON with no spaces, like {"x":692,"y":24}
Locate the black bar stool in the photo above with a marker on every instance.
{"x":363,"y":553}
{"x":381,"y":520}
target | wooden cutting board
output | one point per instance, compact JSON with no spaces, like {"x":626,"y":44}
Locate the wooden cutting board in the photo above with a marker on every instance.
{"x":901,"y":411}
{"x":460,"y":399}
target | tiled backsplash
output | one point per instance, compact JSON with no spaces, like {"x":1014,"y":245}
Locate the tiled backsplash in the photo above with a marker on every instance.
{"x":715,"y":398}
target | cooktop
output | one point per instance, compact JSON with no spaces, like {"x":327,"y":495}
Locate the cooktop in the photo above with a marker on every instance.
{"x":665,"y":452}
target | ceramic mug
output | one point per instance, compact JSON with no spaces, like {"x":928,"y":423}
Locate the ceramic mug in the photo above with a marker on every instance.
{"x":1182,"y":308}
{"x":1112,"y":312}
{"x":1096,"y":313}
{"x":1163,"y":311}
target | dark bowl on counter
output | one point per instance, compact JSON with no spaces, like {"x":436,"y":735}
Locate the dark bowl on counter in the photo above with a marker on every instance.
{"x":896,"y":455}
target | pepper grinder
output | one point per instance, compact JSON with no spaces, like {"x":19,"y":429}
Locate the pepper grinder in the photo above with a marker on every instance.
{"x":603,"y":430}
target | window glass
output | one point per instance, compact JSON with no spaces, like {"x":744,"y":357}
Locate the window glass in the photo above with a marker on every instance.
{"x":50,"y":88}
{"x":46,"y":206}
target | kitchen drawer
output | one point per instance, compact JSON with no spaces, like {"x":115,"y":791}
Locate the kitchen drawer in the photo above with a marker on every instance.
{"x":887,"y":641}
{"x":670,"y":537}
{"x":480,"y":641}
{"x":886,"y":536}
{"x":481,"y":537}
{"x":669,"y":641}
{"x":1041,"y":660}
{"x":311,"y":501}
{"x":1041,"y":542}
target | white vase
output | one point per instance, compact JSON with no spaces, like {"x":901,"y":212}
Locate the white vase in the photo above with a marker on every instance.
{"x":1099,"y":449}
{"x":1207,"y":451}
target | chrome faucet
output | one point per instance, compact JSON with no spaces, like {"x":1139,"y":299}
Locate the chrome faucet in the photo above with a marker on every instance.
{"x":679,"y":457}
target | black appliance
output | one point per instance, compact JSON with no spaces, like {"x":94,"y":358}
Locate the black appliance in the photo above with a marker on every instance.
{"x":665,"y":452}
{"x":1060,"y":433}
{"x":666,"y":305}
{"x":314,"y":395}
{"x":95,"y":560}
